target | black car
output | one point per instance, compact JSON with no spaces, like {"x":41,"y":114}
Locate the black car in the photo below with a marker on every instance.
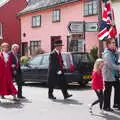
{"x":77,"y":67}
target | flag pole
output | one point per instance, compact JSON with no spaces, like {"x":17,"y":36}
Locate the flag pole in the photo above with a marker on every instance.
{"x":99,"y":2}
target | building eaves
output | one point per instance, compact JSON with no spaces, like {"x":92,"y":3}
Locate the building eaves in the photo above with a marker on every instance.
{"x":43,"y":4}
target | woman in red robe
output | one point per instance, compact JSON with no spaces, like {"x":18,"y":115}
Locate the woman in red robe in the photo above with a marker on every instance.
{"x":6,"y":81}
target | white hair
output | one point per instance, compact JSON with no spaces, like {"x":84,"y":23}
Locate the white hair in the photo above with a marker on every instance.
{"x":15,"y":45}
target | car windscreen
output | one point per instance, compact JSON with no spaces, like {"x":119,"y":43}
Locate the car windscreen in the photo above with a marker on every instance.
{"x":35,"y":61}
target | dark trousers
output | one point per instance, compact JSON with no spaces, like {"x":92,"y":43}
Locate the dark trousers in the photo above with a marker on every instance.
{"x":107,"y":93}
{"x":18,"y":79}
{"x":61,"y":83}
{"x":116,"y":86}
{"x":100,"y":98}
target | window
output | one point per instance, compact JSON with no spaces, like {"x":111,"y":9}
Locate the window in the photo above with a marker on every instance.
{"x":34,"y":47}
{"x":35,"y":61}
{"x":36,"y":21}
{"x":45,"y":60}
{"x":56,"y":16}
{"x":1,"y":31}
{"x":76,"y":45}
{"x":90,"y":7}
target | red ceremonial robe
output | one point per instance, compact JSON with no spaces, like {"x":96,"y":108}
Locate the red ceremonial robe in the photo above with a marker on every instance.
{"x":6,"y":81}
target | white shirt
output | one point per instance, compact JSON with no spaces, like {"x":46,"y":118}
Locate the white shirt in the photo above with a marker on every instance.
{"x":57,"y":51}
{"x":5,"y":55}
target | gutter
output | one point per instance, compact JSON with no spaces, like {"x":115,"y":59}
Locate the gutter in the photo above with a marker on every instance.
{"x":47,"y":7}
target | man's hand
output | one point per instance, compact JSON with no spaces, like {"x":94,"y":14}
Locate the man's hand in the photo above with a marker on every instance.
{"x":13,"y":66}
{"x":59,"y":72}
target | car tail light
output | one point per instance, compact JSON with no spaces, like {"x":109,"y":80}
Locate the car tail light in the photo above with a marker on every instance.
{"x":71,"y":68}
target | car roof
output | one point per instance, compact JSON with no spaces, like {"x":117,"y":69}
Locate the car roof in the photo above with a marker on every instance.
{"x":62,"y":53}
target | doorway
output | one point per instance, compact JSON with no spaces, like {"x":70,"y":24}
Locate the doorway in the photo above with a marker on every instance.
{"x":24,"y":48}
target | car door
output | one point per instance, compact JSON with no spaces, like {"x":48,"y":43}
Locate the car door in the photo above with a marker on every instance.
{"x":44,"y":67}
{"x":31,"y":70}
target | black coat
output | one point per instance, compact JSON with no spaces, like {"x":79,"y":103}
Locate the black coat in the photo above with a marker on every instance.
{"x":16,"y":70}
{"x":54,"y":66}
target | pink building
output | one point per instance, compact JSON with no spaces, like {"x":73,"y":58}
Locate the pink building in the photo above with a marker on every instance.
{"x":72,"y":21}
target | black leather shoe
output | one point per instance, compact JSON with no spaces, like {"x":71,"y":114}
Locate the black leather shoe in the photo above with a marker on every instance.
{"x":2,"y":97}
{"x":108,"y":109}
{"x":21,"y":97}
{"x":67,"y":96}
{"x":115,"y":106}
{"x":52,"y":97}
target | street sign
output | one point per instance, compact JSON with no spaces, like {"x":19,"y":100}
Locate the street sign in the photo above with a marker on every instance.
{"x":76,"y":27}
{"x":91,"y":27}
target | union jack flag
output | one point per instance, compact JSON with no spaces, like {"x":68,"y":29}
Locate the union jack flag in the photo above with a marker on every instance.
{"x":107,"y":25}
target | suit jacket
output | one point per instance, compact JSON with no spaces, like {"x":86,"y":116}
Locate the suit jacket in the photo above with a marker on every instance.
{"x":17,"y":69}
{"x":54,"y":67}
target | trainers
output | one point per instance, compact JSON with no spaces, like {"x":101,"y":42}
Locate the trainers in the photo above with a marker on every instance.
{"x":101,"y":111}
{"x":90,"y":108}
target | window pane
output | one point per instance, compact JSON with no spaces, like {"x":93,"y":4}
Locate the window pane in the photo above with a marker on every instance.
{"x":36,"y":21}
{"x":56,"y":15}
{"x":35,"y":61}
{"x":33,"y":21}
{"x":45,"y":60}
{"x":90,"y":7}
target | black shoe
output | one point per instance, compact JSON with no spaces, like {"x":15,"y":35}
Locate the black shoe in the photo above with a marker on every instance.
{"x":115,"y":106}
{"x":118,"y":108}
{"x":108,"y":109}
{"x":52,"y":97}
{"x":2,"y":97}
{"x":21,"y":97}
{"x":67,"y":96}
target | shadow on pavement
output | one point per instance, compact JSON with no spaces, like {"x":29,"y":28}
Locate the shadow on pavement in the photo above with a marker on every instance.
{"x":8,"y":103}
{"x":67,"y":101}
{"x":73,"y":86}
{"x":109,"y":116}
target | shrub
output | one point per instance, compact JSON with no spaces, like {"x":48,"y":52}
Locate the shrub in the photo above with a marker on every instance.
{"x":94,"y":53}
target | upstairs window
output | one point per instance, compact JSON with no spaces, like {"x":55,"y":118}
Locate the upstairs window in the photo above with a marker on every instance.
{"x":90,"y":7}
{"x":1,"y":37}
{"x":56,"y":15}
{"x":36,"y":21}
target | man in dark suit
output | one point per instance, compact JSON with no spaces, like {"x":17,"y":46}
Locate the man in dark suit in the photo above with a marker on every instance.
{"x":16,"y":69}
{"x":55,"y":72}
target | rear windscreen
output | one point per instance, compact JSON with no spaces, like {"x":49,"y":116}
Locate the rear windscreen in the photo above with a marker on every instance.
{"x":81,"y":58}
